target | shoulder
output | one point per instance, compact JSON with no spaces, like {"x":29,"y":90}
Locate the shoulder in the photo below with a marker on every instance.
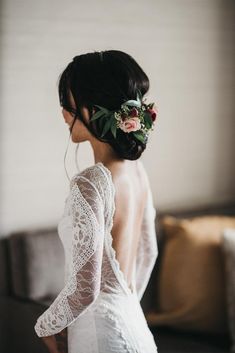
{"x":92,"y":182}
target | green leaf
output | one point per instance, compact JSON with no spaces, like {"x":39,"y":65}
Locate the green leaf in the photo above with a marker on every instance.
{"x":113,"y":124}
{"x":139,"y":136}
{"x":148,"y":120}
{"x":151,"y":105}
{"x":114,"y":129}
{"x":101,"y":122}
{"x":97,"y":115}
{"x":102,"y":111}
{"x":139,"y":95}
{"x":131,"y":103}
{"x":106,"y":127}
{"x":106,"y":111}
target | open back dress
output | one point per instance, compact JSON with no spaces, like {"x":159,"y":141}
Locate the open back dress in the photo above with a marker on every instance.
{"x":101,"y":312}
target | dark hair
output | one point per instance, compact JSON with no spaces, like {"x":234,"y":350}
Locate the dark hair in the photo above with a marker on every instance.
{"x":107,"y":78}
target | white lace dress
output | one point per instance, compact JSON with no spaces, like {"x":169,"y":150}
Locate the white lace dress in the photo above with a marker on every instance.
{"x":103,"y":314}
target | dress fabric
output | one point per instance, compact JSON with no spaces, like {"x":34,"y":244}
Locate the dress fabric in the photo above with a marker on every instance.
{"x":101,"y":312}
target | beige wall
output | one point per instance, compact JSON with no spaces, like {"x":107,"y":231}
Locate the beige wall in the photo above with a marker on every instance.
{"x":187,"y":49}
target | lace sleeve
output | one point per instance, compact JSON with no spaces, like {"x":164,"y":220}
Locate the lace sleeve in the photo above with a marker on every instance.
{"x":83,"y":281}
{"x":147,"y":251}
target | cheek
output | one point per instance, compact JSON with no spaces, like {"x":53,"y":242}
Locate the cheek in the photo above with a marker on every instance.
{"x":77,"y":126}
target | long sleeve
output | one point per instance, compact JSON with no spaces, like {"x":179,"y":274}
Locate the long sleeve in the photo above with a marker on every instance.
{"x":82,"y":284}
{"x":147,"y":251}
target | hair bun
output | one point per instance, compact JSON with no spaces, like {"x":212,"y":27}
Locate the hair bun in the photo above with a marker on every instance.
{"x":128,"y":147}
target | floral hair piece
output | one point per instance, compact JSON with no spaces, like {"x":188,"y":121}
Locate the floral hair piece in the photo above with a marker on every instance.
{"x":134,"y":117}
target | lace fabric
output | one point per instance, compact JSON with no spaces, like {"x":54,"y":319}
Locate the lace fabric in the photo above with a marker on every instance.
{"x":90,"y":259}
{"x":83,"y":283}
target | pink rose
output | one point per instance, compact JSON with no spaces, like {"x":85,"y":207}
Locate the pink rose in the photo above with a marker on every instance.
{"x":153,"y":113}
{"x":131,"y":124}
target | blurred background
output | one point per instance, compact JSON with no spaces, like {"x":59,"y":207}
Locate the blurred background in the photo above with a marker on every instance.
{"x":187,"y":49}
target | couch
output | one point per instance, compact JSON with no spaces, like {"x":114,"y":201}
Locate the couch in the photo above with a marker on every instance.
{"x":31,"y":274}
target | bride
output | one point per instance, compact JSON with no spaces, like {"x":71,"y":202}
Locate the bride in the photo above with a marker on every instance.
{"x":108,"y":225}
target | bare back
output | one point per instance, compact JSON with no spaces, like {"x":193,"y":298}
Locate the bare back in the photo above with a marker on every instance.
{"x":130,"y":198}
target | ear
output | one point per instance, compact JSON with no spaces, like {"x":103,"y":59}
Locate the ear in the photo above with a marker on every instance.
{"x":85,"y":113}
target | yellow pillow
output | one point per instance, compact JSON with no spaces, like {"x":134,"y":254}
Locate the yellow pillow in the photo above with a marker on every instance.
{"x":191,"y":284}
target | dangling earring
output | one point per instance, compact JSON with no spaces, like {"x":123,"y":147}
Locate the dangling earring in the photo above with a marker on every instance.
{"x":65,"y":158}
{"x":67,"y":149}
{"x":76,"y":161}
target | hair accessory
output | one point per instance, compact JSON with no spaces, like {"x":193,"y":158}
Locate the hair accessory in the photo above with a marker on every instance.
{"x":134,"y":117}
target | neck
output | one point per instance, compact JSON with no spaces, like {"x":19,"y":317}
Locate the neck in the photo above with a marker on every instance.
{"x":103,"y":152}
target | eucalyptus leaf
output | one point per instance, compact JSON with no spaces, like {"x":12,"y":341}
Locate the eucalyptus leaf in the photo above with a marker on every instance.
{"x":101,"y":122}
{"x":139,"y":95}
{"x":106,"y":127}
{"x":106,"y":111}
{"x":97,"y":115}
{"x":139,"y":136}
{"x":148,"y":120}
{"x":132,"y":103}
{"x":113,"y":118}
{"x":114,"y":129}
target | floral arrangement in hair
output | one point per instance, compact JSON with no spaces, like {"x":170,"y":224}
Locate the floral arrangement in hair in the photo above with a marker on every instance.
{"x":134,"y":117}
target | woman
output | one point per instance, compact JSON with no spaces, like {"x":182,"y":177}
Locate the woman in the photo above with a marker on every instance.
{"x":108,"y":225}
